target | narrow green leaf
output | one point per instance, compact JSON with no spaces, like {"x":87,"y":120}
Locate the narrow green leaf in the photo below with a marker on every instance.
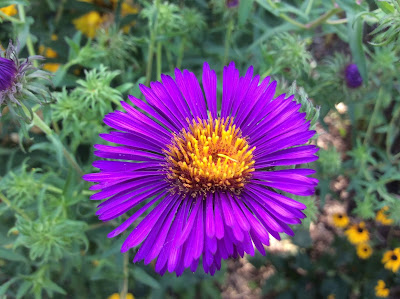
{"x":385,"y":6}
{"x":244,"y":11}
{"x":355,"y":34}
{"x":141,"y":275}
{"x":23,"y":289}
{"x":11,"y":255}
{"x":4,"y":287}
{"x":54,"y":287}
{"x":10,"y":2}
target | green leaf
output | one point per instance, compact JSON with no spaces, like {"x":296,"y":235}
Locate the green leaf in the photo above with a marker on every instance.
{"x":385,"y":6}
{"x":11,"y":255}
{"x":54,"y":287}
{"x":4,"y":287}
{"x":24,"y":287}
{"x":244,"y":11}
{"x":141,"y":275}
{"x":10,"y":2}
{"x":125,"y":87}
{"x":355,"y":34}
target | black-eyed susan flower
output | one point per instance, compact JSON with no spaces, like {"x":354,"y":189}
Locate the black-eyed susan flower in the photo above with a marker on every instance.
{"x":340,"y":220}
{"x":9,"y":10}
{"x":364,"y":251}
{"x":210,"y":175}
{"x":51,"y":66}
{"x":47,"y":52}
{"x":96,"y":20}
{"x":381,"y":290}
{"x":357,"y":233}
{"x":382,"y":217}
{"x":391,"y":259}
{"x":117,"y":296}
{"x":331,"y":296}
{"x":89,"y":23}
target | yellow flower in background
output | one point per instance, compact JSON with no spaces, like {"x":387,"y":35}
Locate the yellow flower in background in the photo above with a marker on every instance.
{"x":127,"y":8}
{"x":391,"y":259}
{"x":364,"y":251}
{"x":116,"y":296}
{"x":89,"y":23}
{"x":331,"y":296}
{"x":47,"y":52}
{"x":54,"y":37}
{"x":382,"y":218}
{"x":51,"y":66}
{"x":381,"y":290}
{"x":10,"y":10}
{"x":357,"y":233}
{"x":340,"y":220}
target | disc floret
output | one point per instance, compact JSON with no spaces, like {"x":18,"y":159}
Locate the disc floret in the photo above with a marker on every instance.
{"x":210,"y":155}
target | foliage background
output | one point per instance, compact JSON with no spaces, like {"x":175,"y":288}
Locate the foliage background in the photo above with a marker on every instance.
{"x":51,"y":243}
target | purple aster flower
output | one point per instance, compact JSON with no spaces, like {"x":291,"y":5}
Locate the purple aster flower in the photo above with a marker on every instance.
{"x":207,"y":178}
{"x":7,"y":73}
{"x":232,"y":3}
{"x":18,"y":79}
{"x":353,"y":77}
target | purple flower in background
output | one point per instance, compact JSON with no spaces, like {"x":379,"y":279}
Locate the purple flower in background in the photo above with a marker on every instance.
{"x":232,"y":3}
{"x":20,"y":81}
{"x":353,"y":77}
{"x":7,"y":73}
{"x":207,"y":178}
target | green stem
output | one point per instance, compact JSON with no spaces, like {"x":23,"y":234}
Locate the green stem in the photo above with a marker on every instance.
{"x":11,"y":206}
{"x":392,"y":124}
{"x":323,"y":18}
{"x":159,"y":59}
{"x":60,"y":11}
{"x":169,"y":58}
{"x":309,"y":6}
{"x":153,"y":35}
{"x":56,"y":127}
{"x":336,"y":22}
{"x":11,"y":19}
{"x":37,"y":121}
{"x":181,"y":52}
{"x":29,"y":43}
{"x":228,"y":38}
{"x":150,"y":58}
{"x":373,"y":117}
{"x":124,"y":290}
{"x":310,"y":25}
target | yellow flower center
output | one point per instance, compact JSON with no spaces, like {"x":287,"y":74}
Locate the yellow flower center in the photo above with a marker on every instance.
{"x":211,"y":155}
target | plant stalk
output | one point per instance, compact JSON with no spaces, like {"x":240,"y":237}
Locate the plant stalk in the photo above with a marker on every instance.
{"x":29,"y":43}
{"x":124,"y":290}
{"x":11,"y":206}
